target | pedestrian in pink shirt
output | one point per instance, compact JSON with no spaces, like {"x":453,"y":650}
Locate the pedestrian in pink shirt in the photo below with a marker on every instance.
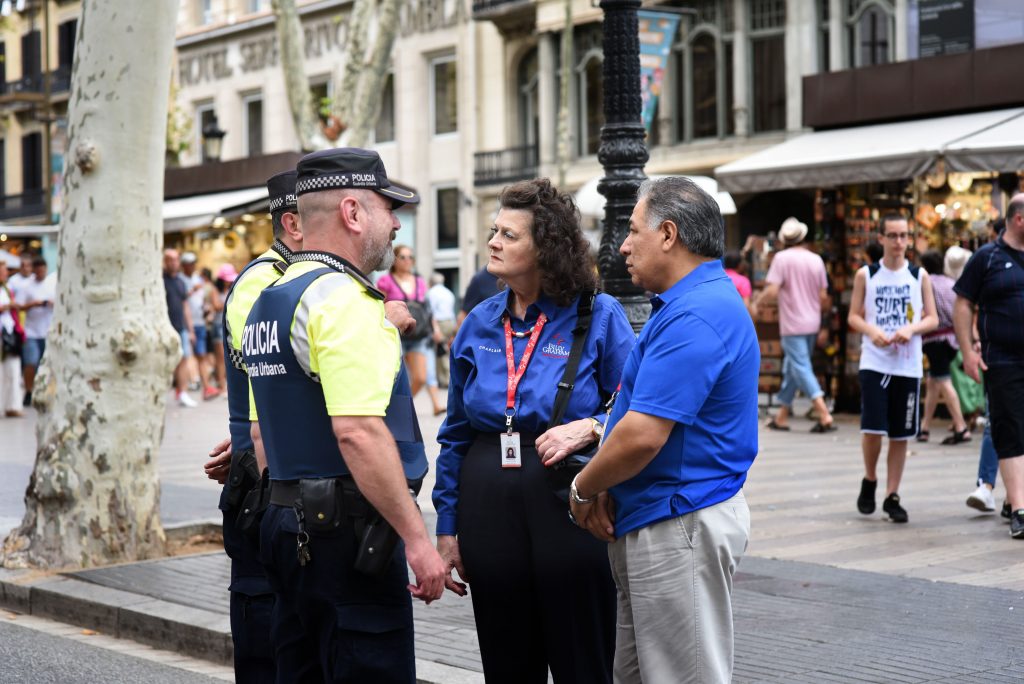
{"x":798,"y":280}
{"x":733,"y":262}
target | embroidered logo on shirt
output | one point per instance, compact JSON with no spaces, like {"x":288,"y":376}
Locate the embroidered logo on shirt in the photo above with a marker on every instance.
{"x":493,"y":350}
{"x":556,"y":348}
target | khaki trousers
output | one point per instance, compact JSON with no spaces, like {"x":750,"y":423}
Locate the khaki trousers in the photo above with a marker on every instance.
{"x":674,"y":582}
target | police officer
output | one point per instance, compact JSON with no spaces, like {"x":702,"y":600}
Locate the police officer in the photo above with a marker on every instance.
{"x":323,"y":362}
{"x":234,"y":463}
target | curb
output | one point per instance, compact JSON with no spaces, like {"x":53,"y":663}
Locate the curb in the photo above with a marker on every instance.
{"x":160,"y":624}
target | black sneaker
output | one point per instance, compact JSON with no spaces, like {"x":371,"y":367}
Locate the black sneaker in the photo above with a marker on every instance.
{"x":26,"y":401}
{"x":891,"y":505}
{"x":1017,"y":524}
{"x":866,"y":500}
{"x":1006,"y":513}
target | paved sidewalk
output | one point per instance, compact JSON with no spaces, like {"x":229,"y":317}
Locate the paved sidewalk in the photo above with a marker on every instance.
{"x":824,"y":594}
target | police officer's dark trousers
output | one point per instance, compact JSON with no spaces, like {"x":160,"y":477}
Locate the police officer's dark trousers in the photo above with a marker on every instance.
{"x":542,"y":589}
{"x":332,"y":623}
{"x":251,"y":605}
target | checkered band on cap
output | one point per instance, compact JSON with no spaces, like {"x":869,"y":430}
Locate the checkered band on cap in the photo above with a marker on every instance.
{"x":341,"y":180}
{"x":285,"y":202}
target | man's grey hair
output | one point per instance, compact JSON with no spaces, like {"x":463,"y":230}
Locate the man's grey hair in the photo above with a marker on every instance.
{"x":436,"y":278}
{"x":695,"y":213}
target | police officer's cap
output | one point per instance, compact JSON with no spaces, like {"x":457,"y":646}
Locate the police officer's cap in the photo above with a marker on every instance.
{"x":281,"y":188}
{"x":349,"y":167}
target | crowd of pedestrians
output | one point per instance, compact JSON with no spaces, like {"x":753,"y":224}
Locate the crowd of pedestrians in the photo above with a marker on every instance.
{"x":26,"y":314}
{"x":195,"y":306}
{"x":964,"y":313}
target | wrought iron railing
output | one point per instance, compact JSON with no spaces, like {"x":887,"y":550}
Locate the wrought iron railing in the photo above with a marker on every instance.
{"x":505,"y":166}
{"x":60,"y":82}
{"x":28,"y":203}
{"x":488,"y":5}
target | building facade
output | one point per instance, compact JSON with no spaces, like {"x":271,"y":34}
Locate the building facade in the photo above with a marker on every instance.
{"x":734,"y":83}
{"x":228,"y":67}
{"x":37,"y":45}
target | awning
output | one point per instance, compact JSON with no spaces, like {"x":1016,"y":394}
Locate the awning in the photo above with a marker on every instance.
{"x":591,"y":202}
{"x":199,"y":211}
{"x":29,"y":231}
{"x":882,"y":152}
{"x":996,"y":148}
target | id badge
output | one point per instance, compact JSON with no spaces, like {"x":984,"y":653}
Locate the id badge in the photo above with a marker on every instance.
{"x":511,"y":456}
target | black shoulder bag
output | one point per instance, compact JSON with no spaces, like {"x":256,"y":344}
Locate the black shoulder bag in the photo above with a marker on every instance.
{"x":420,"y":313}
{"x":561,"y":474}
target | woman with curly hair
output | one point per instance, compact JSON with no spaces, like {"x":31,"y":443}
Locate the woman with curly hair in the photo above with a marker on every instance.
{"x":542,"y":591}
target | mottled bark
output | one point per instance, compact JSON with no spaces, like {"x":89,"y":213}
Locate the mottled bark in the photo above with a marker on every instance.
{"x":563,"y":154}
{"x":355,"y":54}
{"x":293,"y":63}
{"x":93,"y":496}
{"x":365,"y":106}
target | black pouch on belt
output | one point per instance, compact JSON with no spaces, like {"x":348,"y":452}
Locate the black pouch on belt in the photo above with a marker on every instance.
{"x":254,"y":505}
{"x":376,"y":546}
{"x":323,"y":503}
{"x":243,"y":475}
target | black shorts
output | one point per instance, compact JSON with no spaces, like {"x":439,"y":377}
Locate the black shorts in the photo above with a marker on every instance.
{"x":889,"y":404}
{"x":940,"y":355}
{"x":1004,"y":386}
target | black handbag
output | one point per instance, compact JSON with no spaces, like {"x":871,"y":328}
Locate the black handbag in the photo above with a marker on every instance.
{"x":561,"y":474}
{"x":10,"y":343}
{"x":418,"y":310}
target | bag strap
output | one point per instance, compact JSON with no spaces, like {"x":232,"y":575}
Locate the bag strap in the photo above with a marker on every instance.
{"x":584,"y":314}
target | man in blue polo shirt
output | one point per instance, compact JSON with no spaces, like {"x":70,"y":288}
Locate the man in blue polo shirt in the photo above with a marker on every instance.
{"x":993,"y":280}
{"x":678,"y":445}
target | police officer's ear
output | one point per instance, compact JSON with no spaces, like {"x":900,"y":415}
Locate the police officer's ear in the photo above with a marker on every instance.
{"x":350,"y":211}
{"x":292,"y":226}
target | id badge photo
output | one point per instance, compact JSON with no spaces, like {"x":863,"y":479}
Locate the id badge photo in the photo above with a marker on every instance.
{"x":511,"y":455}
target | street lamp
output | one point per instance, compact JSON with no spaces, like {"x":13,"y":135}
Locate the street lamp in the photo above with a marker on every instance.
{"x":622,"y":152}
{"x":213,"y":136}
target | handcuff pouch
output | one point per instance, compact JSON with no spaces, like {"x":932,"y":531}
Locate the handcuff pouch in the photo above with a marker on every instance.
{"x":243,"y":475}
{"x":323,"y":503}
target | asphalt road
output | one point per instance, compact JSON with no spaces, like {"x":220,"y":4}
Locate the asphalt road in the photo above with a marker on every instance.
{"x":26,"y":655}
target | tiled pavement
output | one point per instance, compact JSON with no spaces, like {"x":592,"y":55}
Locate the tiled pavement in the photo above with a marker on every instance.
{"x":824,"y":594}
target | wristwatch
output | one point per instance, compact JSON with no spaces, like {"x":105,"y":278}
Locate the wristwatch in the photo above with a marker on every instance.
{"x":575,"y":495}
{"x":597,"y":427}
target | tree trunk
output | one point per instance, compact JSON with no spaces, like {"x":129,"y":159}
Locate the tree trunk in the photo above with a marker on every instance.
{"x":355,"y":53}
{"x":293,"y":63}
{"x":366,"y":104}
{"x":94,"y":494}
{"x":563,"y":152}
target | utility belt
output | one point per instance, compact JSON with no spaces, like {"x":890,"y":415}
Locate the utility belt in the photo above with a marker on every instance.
{"x":323,"y":505}
{"x":247,"y":493}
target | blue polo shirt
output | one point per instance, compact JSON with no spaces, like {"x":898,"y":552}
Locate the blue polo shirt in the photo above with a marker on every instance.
{"x":994,"y":281}
{"x":696,"y":363}
{"x":479,"y":379}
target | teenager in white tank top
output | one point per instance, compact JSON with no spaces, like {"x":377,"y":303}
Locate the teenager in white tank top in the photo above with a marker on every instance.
{"x":892,"y":299}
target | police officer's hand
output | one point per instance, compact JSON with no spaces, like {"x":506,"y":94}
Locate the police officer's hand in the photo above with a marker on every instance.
{"x":448,"y":547}
{"x":562,"y":440}
{"x":398,"y":314}
{"x":428,"y":568}
{"x":220,"y":462}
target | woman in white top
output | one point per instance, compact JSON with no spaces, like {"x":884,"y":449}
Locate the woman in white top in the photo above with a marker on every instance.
{"x":10,"y":365}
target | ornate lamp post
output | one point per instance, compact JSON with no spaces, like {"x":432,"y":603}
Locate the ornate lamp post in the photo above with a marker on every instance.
{"x":622,"y":152}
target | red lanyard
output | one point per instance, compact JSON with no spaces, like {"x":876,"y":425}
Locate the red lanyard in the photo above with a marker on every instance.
{"x":514,"y":376}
